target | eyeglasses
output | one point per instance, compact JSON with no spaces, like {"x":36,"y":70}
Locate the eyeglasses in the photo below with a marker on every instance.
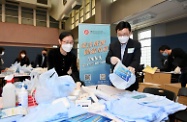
{"x":125,"y":34}
{"x":66,"y":42}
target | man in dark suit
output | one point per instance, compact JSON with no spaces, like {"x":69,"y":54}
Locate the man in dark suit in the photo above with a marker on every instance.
{"x":179,"y":60}
{"x":41,"y":59}
{"x":126,"y":50}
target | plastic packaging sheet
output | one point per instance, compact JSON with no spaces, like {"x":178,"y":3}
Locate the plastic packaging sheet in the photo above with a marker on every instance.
{"x":51,"y":87}
{"x":16,"y":67}
{"x":122,"y":77}
{"x":51,"y":96}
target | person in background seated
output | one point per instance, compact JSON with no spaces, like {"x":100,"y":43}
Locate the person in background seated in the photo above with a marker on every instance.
{"x":62,"y":59}
{"x":41,"y":59}
{"x":22,"y":58}
{"x":2,"y":51}
{"x":179,"y":59}
{"x":126,"y":50}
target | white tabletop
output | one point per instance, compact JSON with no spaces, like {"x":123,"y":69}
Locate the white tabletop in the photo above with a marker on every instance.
{"x":111,"y":92}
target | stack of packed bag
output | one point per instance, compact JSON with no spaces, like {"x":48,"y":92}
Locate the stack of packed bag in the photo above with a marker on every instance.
{"x":51,"y":95}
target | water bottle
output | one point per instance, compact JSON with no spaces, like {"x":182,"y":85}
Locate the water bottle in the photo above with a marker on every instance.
{"x":9,"y":93}
{"x":23,"y":97}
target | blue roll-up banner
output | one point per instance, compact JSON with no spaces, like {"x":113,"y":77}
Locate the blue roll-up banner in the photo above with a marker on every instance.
{"x":94,"y":40}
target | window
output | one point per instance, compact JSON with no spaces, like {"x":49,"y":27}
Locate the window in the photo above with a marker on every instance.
{"x":42,"y":1}
{"x":87,"y":8}
{"x":86,"y":11}
{"x":11,"y":13}
{"x":81,"y":19}
{"x":93,"y":4}
{"x":27,"y":16}
{"x":145,"y":39}
{"x":72,"y":19}
{"x":81,"y":12}
{"x":76,"y":15}
{"x":63,"y":25}
{"x":54,"y":23}
{"x":131,"y":36}
{"x":76,"y":23}
{"x":93,"y":7}
{"x":87,"y":15}
{"x":87,"y":2}
{"x":41,"y":17}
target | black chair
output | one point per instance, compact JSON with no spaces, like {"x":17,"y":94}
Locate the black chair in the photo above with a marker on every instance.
{"x":182,"y":115}
{"x":161,"y":92}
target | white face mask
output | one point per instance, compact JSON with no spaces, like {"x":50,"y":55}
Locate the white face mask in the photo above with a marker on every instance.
{"x":67,"y":47}
{"x":123,"y":39}
{"x":2,"y":53}
{"x":22,"y":55}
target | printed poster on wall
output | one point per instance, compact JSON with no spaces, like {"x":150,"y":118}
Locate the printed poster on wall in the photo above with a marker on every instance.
{"x":94,"y":40}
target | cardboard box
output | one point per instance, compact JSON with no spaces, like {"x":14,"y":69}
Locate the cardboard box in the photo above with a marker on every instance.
{"x":182,"y":100}
{"x":173,"y":87}
{"x":158,"y":78}
{"x":144,"y":85}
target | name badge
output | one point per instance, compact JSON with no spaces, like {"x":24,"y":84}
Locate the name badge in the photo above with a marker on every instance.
{"x":130,"y":50}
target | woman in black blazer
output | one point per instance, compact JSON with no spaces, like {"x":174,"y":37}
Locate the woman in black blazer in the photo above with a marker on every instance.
{"x":22,"y":58}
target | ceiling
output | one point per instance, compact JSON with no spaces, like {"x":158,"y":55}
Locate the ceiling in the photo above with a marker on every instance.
{"x":168,"y":10}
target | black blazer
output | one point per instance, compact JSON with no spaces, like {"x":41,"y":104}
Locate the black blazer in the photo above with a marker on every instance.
{"x":63,"y":63}
{"x":38,"y":61}
{"x":23,"y":61}
{"x":131,"y":55}
{"x":179,"y":58}
{"x":1,"y":64}
{"x":168,"y":64}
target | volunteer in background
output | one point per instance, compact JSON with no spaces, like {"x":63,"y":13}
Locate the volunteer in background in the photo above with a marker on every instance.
{"x":41,"y":59}
{"x":22,"y":58}
{"x":179,"y":58}
{"x":126,"y":50}
{"x":62,"y":59}
{"x":168,"y":66}
{"x":1,"y":67}
{"x":2,"y":51}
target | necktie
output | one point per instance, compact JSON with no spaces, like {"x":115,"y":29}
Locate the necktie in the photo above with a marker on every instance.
{"x":43,"y":57}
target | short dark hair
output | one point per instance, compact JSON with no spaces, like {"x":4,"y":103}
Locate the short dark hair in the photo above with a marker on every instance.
{"x":44,"y":49}
{"x":164,"y":47}
{"x":121,"y":25}
{"x":64,"y":34}
{"x":1,"y":49}
{"x":23,"y":51}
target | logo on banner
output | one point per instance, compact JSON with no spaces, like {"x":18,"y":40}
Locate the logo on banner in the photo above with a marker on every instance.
{"x":86,"y":32}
